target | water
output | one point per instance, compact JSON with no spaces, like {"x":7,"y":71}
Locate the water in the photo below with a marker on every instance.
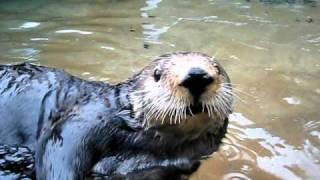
{"x":270,"y":49}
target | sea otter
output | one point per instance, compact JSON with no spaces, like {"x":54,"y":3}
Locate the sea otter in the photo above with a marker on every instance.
{"x":167,"y":116}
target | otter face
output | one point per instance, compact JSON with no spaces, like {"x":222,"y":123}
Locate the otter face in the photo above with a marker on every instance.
{"x":182,"y":87}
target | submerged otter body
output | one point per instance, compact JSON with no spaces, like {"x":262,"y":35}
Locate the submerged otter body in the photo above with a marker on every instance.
{"x":170,"y":114}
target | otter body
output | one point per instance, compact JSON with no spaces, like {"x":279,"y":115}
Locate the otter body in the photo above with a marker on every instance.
{"x":76,"y":127}
{"x":38,"y":103}
{"x":33,"y":96}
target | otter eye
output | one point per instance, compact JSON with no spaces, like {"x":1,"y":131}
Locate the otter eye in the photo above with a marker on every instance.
{"x":157,"y":75}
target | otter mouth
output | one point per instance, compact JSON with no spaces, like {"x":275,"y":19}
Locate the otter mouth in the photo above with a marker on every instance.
{"x":195,"y":109}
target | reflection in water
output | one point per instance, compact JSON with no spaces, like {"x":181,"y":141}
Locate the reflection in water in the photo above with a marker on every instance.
{"x":270,"y":48}
{"x":292,"y":100}
{"x":26,"y":54}
{"x":74,"y":31}
{"x":151,"y":33}
{"x":27,"y":25}
{"x":150,"y":5}
{"x":282,"y":157}
{"x":39,"y":39}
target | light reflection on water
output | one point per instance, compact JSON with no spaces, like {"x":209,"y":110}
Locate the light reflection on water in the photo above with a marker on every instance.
{"x":270,"y":50}
{"x":281,"y":155}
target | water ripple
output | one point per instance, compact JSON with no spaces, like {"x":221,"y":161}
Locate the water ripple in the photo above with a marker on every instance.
{"x":236,"y":175}
{"x":27,"y":25}
{"x":73,"y":31}
{"x":292,"y":100}
{"x":214,"y":19}
{"x":280,"y":159}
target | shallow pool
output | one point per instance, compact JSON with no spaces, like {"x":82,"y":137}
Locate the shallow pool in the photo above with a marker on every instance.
{"x":270,"y":48}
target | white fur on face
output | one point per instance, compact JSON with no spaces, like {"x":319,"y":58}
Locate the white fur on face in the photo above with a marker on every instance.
{"x":167,"y":102}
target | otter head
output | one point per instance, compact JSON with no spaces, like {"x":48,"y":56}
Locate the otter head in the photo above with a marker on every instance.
{"x":187,"y":90}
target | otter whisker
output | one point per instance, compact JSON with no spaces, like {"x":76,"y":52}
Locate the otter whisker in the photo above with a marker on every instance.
{"x":225,"y":107}
{"x":181,"y":111}
{"x":220,"y":106}
{"x":185,"y":112}
{"x":164,"y":112}
{"x":167,"y":113}
{"x":190,"y":111}
{"x":171,"y":110}
{"x":217,"y":106}
{"x":171,"y":114}
{"x":176,"y":115}
{"x":203,"y":108}
{"x":155,"y":108}
{"x":133,"y":93}
{"x":225,"y":98}
{"x":177,"y":112}
{"x":232,"y":93}
{"x":235,"y":95}
{"x":212,"y":109}
{"x":180,"y":114}
{"x":208,"y":109}
{"x":232,"y":84}
{"x":244,"y":93}
{"x":247,"y":95}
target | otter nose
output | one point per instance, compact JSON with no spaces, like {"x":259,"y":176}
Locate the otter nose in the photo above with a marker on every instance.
{"x":196,"y":81}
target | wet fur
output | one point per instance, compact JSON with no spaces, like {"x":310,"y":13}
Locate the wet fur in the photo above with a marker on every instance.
{"x":77,"y":126}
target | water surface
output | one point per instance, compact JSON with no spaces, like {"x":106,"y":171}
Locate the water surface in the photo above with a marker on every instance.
{"x":270,"y":49}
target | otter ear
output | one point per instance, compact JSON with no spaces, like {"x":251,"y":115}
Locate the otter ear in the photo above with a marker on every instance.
{"x":218,"y":68}
{"x":157,"y":74}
